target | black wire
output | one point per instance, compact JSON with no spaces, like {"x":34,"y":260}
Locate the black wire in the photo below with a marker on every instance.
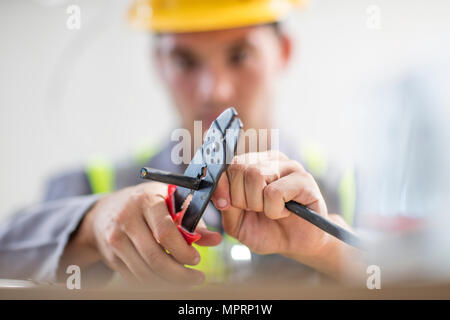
{"x":324,"y":224}
{"x":170,"y":178}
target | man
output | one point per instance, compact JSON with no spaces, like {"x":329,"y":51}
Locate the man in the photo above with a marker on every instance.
{"x":210,"y":56}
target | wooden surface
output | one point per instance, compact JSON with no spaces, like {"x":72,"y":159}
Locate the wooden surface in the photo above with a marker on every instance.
{"x":431,"y":291}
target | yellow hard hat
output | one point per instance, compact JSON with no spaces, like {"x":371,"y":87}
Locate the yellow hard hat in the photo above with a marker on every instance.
{"x":205,"y":15}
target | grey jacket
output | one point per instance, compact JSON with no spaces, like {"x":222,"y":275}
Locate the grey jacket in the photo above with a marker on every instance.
{"x":32,"y":240}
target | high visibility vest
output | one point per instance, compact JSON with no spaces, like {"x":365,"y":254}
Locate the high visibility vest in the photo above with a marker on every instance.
{"x":316,"y":162}
{"x":216,"y":261}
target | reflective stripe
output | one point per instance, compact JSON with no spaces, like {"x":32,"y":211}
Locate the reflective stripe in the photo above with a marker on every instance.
{"x":214,"y":259}
{"x":315,"y":159}
{"x":347,"y":195}
{"x":101,"y":175}
{"x":144,"y":152}
{"x":317,"y":163}
{"x":211,"y":263}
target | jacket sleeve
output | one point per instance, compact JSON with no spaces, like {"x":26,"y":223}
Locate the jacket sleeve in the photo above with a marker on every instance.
{"x":32,"y":240}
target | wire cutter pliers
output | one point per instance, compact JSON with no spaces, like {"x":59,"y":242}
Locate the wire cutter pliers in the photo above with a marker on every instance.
{"x":190,"y":193}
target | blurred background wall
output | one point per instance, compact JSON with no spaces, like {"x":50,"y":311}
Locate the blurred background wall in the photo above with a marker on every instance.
{"x":66,"y":95}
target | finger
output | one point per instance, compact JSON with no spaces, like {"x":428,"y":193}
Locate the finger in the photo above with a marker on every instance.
{"x":258,"y":157}
{"x":256,"y":177}
{"x":126,"y":251}
{"x":287,"y":167}
{"x":208,"y":237}
{"x":276,"y":155}
{"x":232,"y":220}
{"x":254,"y":183}
{"x":118,"y":265}
{"x":153,"y":188}
{"x":163,"y":265}
{"x":235,"y":174}
{"x":156,"y":258}
{"x":164,"y":230}
{"x":169,"y":237}
{"x":221,"y":196}
{"x":298,"y":187}
{"x":166,"y":267}
{"x":141,"y":236}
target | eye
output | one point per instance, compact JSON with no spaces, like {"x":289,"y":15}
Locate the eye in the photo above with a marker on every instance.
{"x":238,"y":57}
{"x":185,"y":62}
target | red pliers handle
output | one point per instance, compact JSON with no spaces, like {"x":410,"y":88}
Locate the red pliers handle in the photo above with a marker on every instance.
{"x":190,"y":237}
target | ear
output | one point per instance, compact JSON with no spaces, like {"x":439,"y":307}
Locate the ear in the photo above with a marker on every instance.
{"x":286,"y":45}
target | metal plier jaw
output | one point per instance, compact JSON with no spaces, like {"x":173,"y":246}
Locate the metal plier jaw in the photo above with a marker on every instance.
{"x":187,"y":204}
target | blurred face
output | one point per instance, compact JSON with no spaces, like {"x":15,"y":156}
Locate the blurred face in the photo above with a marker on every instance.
{"x":206,"y":72}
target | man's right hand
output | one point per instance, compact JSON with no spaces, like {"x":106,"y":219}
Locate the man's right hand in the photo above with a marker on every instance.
{"x":131,"y":230}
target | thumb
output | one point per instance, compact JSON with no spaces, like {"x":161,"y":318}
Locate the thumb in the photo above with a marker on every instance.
{"x":221,"y":196}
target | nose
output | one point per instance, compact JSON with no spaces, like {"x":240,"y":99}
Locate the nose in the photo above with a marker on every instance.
{"x":216,"y":87}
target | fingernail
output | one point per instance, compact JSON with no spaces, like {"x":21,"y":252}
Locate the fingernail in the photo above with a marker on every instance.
{"x":222,"y":203}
